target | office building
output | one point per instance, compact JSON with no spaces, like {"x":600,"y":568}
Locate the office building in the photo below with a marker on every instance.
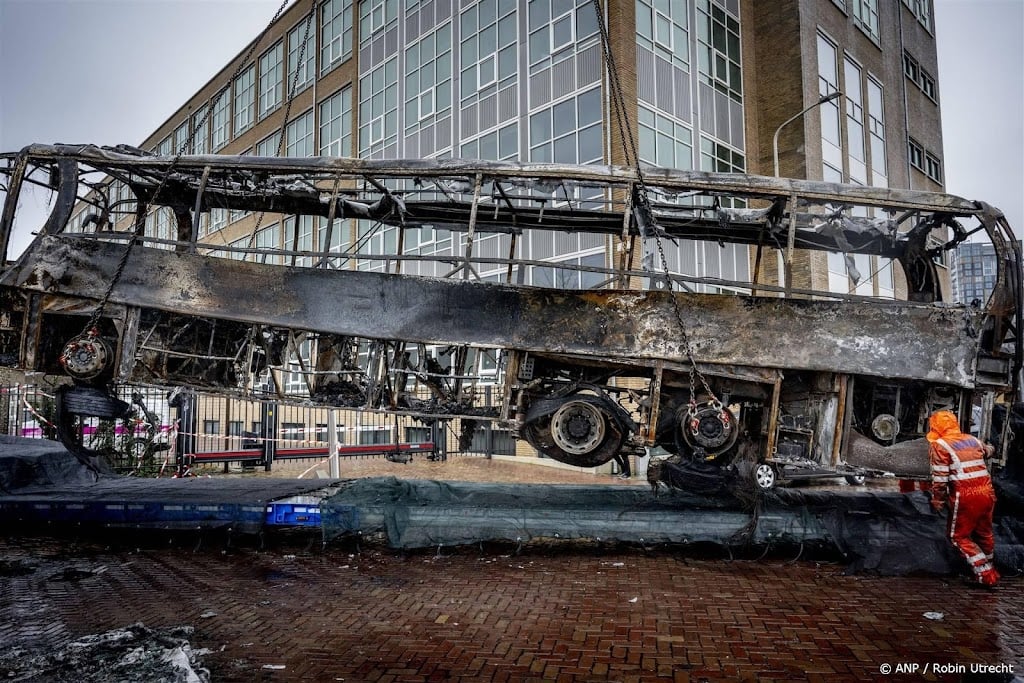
{"x":707,"y":84}
{"x":973,"y":271}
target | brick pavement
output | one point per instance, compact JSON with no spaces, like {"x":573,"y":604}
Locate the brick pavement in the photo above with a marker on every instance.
{"x":479,"y":468}
{"x":456,"y":468}
{"x":551,"y":612}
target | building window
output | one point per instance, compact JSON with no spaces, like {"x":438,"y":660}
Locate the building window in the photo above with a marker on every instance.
{"x":933,"y":167}
{"x":838,"y":280}
{"x":299,"y":136}
{"x":211,"y":426}
{"x":927,"y":84}
{"x":569,"y":277}
{"x":428,"y":75}
{"x":501,"y":145}
{"x":269,"y":146}
{"x":569,"y":131}
{"x":333,"y":238}
{"x":165,"y":148}
{"x":865,"y":15}
{"x":336,"y":33}
{"x":876,"y":134}
{"x":378,"y":78}
{"x":922,"y":12}
{"x":378,"y":110}
{"x":300,"y":240}
{"x":300,"y":74}
{"x":664,"y":141}
{"x":221,"y":120}
{"x":662,"y":29}
{"x":884,"y":278}
{"x":270,"y":79}
{"x":218,"y":220}
{"x":268,"y":238}
{"x":200,"y":129}
{"x":245,"y":99}
{"x":488,"y":51}
{"x":181,"y":138}
{"x":718,"y":49}
{"x":489,"y":77}
{"x":911,"y":69}
{"x":916,"y":154}
{"x":374,"y":15}
{"x":828,"y":83}
{"x":854,"y":101}
{"x":718,"y":158}
{"x":555,"y":25}
{"x":921,"y":78}
{"x":336,"y":124}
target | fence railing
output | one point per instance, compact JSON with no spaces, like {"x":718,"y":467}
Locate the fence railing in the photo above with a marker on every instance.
{"x":201,"y":428}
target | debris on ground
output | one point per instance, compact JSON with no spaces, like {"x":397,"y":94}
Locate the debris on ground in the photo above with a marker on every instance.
{"x":134,"y":654}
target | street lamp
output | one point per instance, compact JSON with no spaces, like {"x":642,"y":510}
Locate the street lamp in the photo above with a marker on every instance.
{"x":775,"y":139}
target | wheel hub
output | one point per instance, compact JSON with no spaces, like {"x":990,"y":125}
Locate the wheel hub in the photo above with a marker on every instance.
{"x":710,"y":426}
{"x":578,"y":427}
{"x":764,"y":475}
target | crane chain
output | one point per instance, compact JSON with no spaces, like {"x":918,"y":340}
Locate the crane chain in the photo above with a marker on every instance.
{"x":643,"y":205}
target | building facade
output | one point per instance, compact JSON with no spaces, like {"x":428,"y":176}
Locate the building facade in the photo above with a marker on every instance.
{"x":707,"y":83}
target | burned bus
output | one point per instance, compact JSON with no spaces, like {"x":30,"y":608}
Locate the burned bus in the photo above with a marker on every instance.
{"x":395,"y":278}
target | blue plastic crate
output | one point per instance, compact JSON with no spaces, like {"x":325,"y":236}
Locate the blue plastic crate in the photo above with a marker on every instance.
{"x":293,"y":514}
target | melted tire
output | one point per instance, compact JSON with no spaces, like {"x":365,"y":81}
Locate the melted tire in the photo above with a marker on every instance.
{"x":538,"y":434}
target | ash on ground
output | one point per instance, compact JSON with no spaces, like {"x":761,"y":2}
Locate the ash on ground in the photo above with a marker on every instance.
{"x":134,"y":654}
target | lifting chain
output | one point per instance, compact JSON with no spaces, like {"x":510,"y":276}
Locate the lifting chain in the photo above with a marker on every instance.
{"x":643,"y":207}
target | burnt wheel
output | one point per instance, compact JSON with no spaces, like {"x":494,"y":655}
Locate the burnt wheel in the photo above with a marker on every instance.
{"x":712,"y":429}
{"x":578,"y":427}
{"x":582,"y":431}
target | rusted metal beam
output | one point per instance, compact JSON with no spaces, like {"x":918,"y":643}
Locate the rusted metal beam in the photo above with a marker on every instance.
{"x":895,"y":341}
{"x":739,"y":184}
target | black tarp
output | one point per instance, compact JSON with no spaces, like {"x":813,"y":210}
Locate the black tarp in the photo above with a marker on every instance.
{"x":42,"y":482}
{"x":32,"y":463}
{"x":884,"y":532}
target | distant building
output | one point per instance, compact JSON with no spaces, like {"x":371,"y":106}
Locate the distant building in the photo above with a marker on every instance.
{"x":973,"y":272}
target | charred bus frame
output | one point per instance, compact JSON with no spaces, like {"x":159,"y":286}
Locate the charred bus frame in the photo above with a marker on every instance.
{"x":797,"y":379}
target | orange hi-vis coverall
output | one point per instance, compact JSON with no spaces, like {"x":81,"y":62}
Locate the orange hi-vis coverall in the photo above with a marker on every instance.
{"x":960,"y":480}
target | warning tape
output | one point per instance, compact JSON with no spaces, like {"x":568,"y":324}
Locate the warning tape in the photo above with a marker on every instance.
{"x":39,"y":418}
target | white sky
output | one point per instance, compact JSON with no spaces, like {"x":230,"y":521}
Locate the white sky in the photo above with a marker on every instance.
{"x":112,"y":71}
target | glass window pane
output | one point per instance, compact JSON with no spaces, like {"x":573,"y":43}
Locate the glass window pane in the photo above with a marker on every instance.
{"x":565,"y":150}
{"x":590,"y":144}
{"x":590,"y":107}
{"x":564,"y":115}
{"x":540,"y":126}
{"x":561,"y":33}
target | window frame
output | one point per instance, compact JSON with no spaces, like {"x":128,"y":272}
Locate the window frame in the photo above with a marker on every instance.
{"x":266,"y":107}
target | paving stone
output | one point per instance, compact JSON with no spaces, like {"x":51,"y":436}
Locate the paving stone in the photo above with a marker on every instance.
{"x":550,"y":613}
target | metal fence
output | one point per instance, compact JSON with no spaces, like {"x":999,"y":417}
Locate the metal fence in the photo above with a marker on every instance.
{"x":172,"y":432}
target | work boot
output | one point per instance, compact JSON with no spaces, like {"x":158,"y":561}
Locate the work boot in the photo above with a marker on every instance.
{"x":989,"y":578}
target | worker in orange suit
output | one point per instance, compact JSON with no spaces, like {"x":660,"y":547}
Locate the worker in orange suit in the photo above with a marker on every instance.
{"x":961,"y":483}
